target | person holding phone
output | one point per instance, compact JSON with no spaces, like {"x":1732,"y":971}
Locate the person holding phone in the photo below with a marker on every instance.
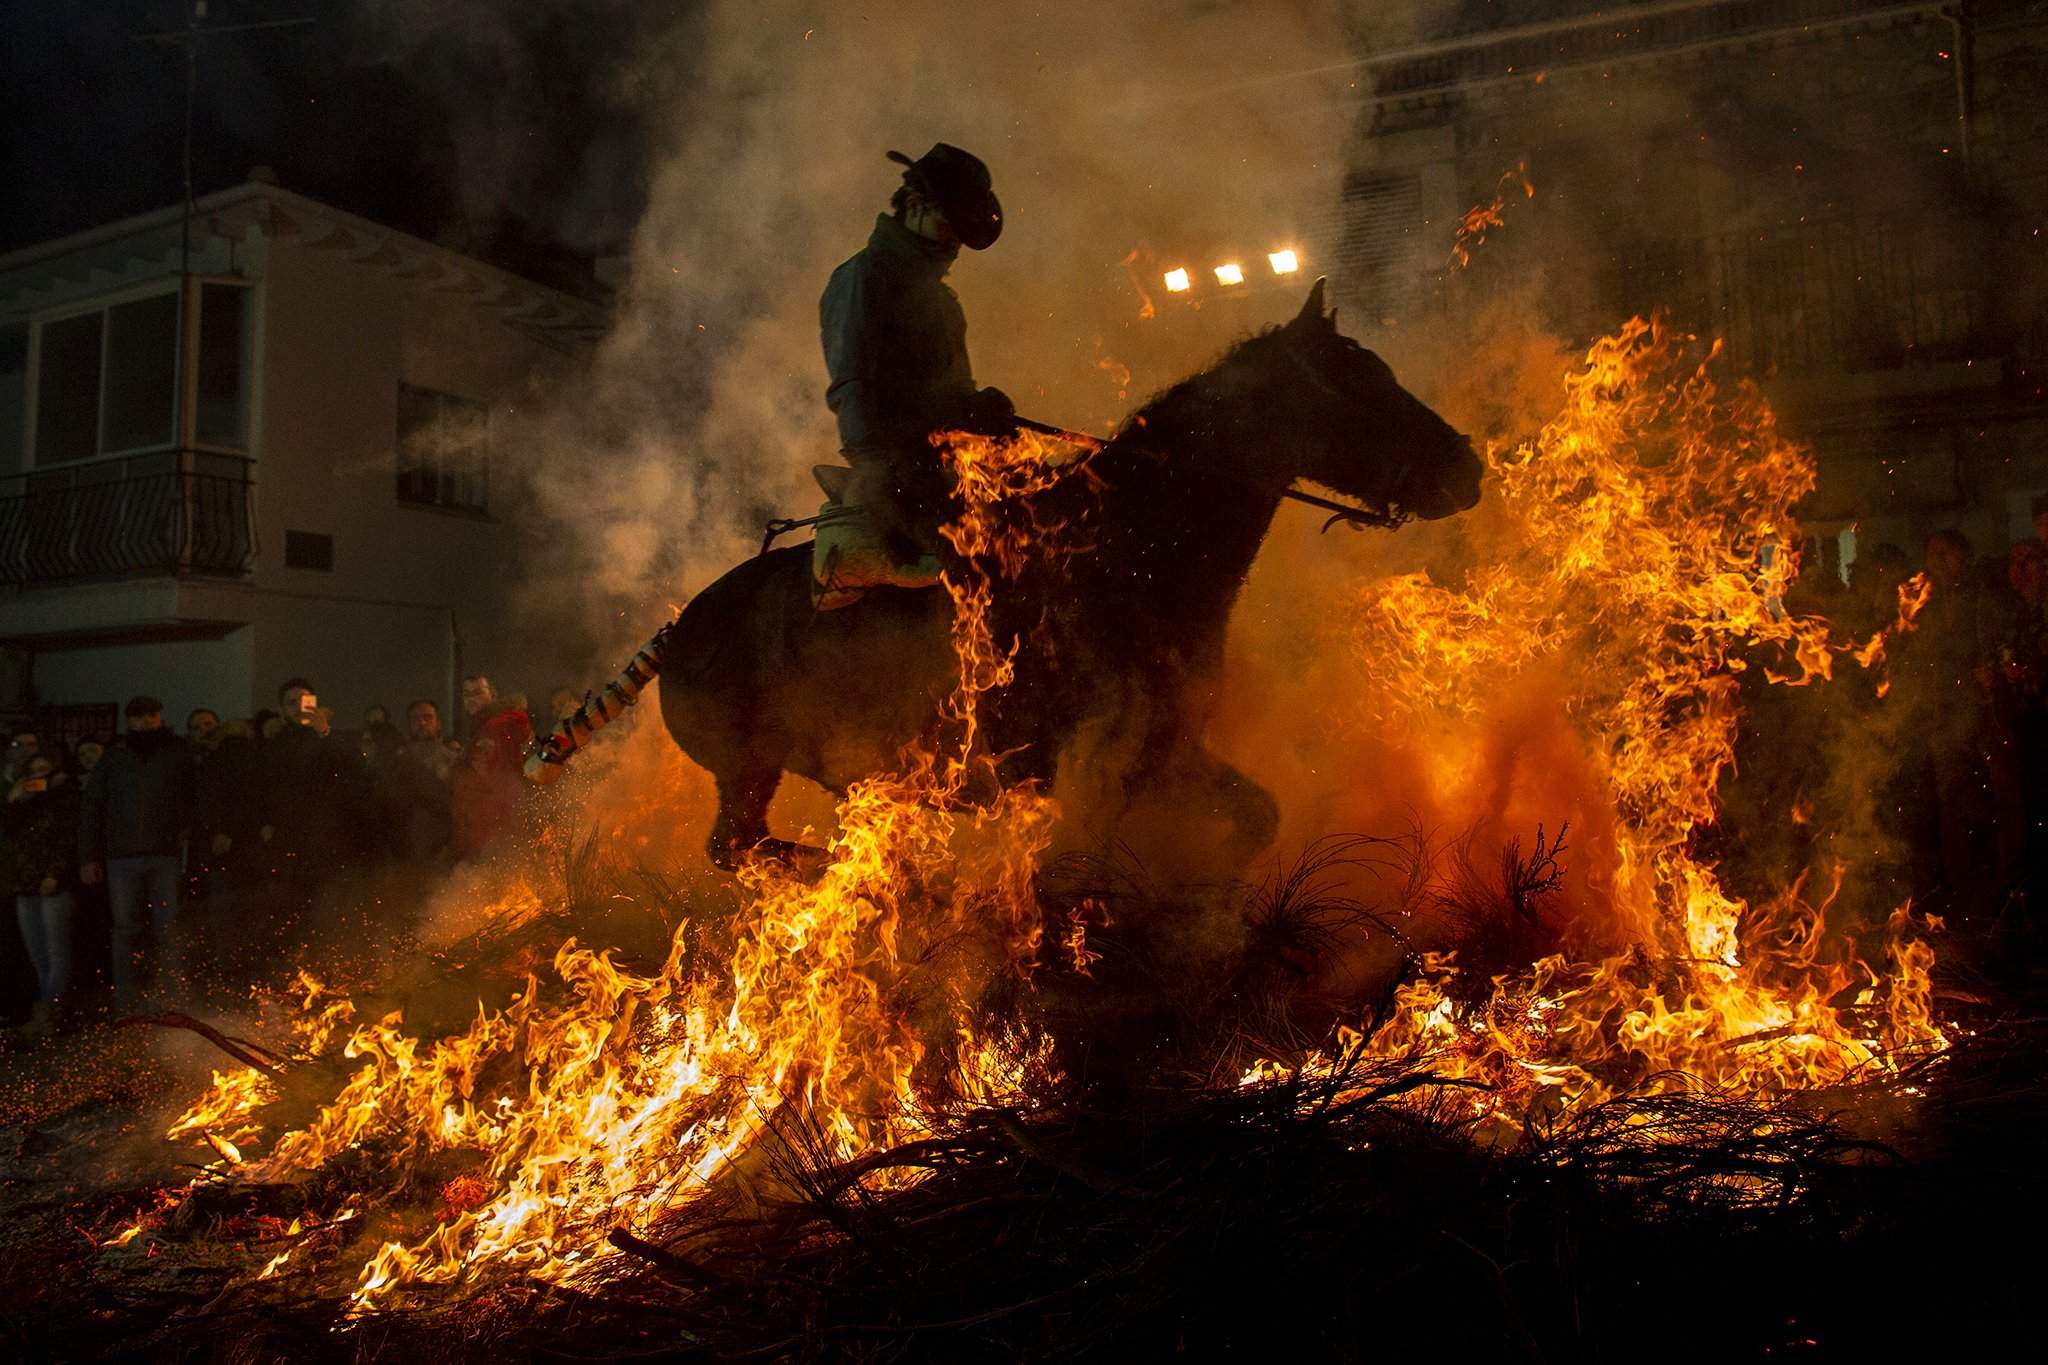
{"x":42,"y":819}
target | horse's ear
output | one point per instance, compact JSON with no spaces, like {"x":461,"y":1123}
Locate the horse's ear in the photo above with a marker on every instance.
{"x":1312,"y":314}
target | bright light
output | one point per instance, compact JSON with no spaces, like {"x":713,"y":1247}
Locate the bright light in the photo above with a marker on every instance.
{"x":1176,"y":281}
{"x":1284,"y":262}
{"x":1230,"y":274}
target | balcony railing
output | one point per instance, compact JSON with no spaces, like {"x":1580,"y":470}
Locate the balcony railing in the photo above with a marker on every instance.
{"x":169,"y":512}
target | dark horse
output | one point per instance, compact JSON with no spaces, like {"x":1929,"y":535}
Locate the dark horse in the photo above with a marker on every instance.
{"x":1122,"y":640}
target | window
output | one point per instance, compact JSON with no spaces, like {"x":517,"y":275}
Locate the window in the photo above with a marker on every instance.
{"x":443,"y":450}
{"x":220,"y":417}
{"x":107,"y":381}
{"x":13,"y":395}
{"x":309,"y":550}
{"x":1379,"y":248}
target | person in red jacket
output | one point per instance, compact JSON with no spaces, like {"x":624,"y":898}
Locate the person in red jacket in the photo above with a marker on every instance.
{"x":489,"y":792}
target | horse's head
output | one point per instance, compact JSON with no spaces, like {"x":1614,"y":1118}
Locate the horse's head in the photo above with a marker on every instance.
{"x":1360,"y":432}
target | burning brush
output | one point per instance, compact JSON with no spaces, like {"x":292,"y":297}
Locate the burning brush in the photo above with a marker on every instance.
{"x":842,"y":1004}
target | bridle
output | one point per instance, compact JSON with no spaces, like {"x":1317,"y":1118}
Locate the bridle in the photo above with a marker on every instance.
{"x":1356,"y":517}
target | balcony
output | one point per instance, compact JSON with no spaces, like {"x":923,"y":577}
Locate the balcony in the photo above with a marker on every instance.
{"x":178,"y":513}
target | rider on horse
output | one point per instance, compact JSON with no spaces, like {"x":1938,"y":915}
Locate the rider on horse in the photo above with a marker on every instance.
{"x":896,"y":349}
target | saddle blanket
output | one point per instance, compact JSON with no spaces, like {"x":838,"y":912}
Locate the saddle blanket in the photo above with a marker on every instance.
{"x":849,"y":556}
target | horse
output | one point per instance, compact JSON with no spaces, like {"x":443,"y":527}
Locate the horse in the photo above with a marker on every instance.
{"x":1122,"y":640}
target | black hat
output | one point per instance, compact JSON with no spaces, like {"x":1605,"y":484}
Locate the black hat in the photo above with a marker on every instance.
{"x":958,"y":183}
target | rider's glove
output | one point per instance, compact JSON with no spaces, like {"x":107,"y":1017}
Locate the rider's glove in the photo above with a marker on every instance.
{"x":991,"y":413}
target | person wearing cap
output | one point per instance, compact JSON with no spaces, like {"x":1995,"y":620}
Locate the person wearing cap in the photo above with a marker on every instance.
{"x":132,"y":819}
{"x":895,"y":342}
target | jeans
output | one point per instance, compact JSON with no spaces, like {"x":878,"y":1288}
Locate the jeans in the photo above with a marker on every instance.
{"x":144,"y":895}
{"x":46,"y":932}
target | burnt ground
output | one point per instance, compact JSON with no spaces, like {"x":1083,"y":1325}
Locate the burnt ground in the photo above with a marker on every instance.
{"x":1138,"y":1219}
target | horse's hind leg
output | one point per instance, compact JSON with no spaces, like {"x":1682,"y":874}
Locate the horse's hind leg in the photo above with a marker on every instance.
{"x":1215,"y":788}
{"x":1252,"y":811}
{"x":742,"y":824}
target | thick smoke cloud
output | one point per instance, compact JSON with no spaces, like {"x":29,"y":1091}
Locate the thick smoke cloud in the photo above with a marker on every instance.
{"x":1168,"y":130}
{"x":706,"y":408}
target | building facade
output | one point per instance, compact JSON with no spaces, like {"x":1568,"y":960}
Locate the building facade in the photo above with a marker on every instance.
{"x":265,"y":443}
{"x":1850,"y":195}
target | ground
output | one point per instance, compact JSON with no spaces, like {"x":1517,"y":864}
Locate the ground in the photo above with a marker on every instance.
{"x":1325,"y":1219}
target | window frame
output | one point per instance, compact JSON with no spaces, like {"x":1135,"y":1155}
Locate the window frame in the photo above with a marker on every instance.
{"x":101,"y":304}
{"x":184,"y":371}
{"x":477,"y":511}
{"x":192,"y":320}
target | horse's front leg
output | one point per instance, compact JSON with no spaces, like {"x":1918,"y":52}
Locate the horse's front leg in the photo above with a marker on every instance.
{"x":1200,"y":790}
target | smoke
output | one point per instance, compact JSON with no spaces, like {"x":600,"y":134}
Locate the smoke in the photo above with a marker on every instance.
{"x":1122,"y":139}
{"x":705,"y":408}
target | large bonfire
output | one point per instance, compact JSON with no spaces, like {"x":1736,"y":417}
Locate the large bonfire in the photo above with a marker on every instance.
{"x":1647,"y":547}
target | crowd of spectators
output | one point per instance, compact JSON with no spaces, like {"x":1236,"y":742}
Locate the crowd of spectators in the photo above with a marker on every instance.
{"x":1966,"y":791}
{"x":135,"y":858}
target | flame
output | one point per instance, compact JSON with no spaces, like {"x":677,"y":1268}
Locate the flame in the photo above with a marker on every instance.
{"x":626,"y":1092}
{"x":1474,"y":223}
{"x":1650,"y":547}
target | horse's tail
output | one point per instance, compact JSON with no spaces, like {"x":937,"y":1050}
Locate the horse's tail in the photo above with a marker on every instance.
{"x":549,"y":757}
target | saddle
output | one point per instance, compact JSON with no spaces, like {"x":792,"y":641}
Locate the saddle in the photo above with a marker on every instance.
{"x":851,"y":554}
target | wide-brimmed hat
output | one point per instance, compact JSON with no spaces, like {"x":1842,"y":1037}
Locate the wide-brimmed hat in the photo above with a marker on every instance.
{"x":958,"y":183}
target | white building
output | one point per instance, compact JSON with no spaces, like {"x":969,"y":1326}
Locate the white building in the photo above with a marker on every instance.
{"x":284,"y":466}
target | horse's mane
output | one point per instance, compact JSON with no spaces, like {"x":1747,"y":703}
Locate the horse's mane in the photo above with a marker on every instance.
{"x":1190,"y":387}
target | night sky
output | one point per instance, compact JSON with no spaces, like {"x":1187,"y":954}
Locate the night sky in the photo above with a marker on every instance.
{"x":502,"y":129}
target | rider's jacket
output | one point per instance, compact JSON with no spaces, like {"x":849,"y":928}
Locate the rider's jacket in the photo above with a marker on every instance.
{"x":895,"y":345}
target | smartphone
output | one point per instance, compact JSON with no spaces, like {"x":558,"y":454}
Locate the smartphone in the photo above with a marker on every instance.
{"x":308,"y":703}
{"x":36,"y":784}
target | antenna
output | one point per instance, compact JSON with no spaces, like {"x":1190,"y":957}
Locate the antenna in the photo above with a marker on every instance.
{"x":195,"y":19}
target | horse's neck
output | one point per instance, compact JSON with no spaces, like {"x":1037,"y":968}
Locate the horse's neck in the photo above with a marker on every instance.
{"x":1180,"y":521}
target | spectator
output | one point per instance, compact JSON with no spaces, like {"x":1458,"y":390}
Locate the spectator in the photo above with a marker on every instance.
{"x":20,"y":751}
{"x":42,"y":829}
{"x":2040,"y":513}
{"x":1874,"y":581}
{"x":312,"y":793}
{"x":134,"y":812}
{"x":488,"y":789}
{"x":423,"y":725}
{"x":227,"y":842}
{"x":229,"y":785}
{"x":383,"y":752}
{"x":87,"y":756}
{"x":2018,"y":635}
{"x":200,"y":723}
{"x":1944,"y":677}
{"x":428,"y":782}
{"x":376,"y":715}
{"x":479,"y":701}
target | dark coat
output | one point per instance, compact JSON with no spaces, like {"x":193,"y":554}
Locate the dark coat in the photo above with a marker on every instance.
{"x":42,"y":834}
{"x":138,"y":802}
{"x":230,"y":787}
{"x":315,"y":795}
{"x":895,"y":343}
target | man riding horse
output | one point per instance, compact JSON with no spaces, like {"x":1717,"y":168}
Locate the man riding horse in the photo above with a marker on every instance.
{"x":1117,"y":651}
{"x":895,"y":342}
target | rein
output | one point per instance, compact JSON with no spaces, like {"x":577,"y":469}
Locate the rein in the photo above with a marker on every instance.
{"x":1358,"y":518}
